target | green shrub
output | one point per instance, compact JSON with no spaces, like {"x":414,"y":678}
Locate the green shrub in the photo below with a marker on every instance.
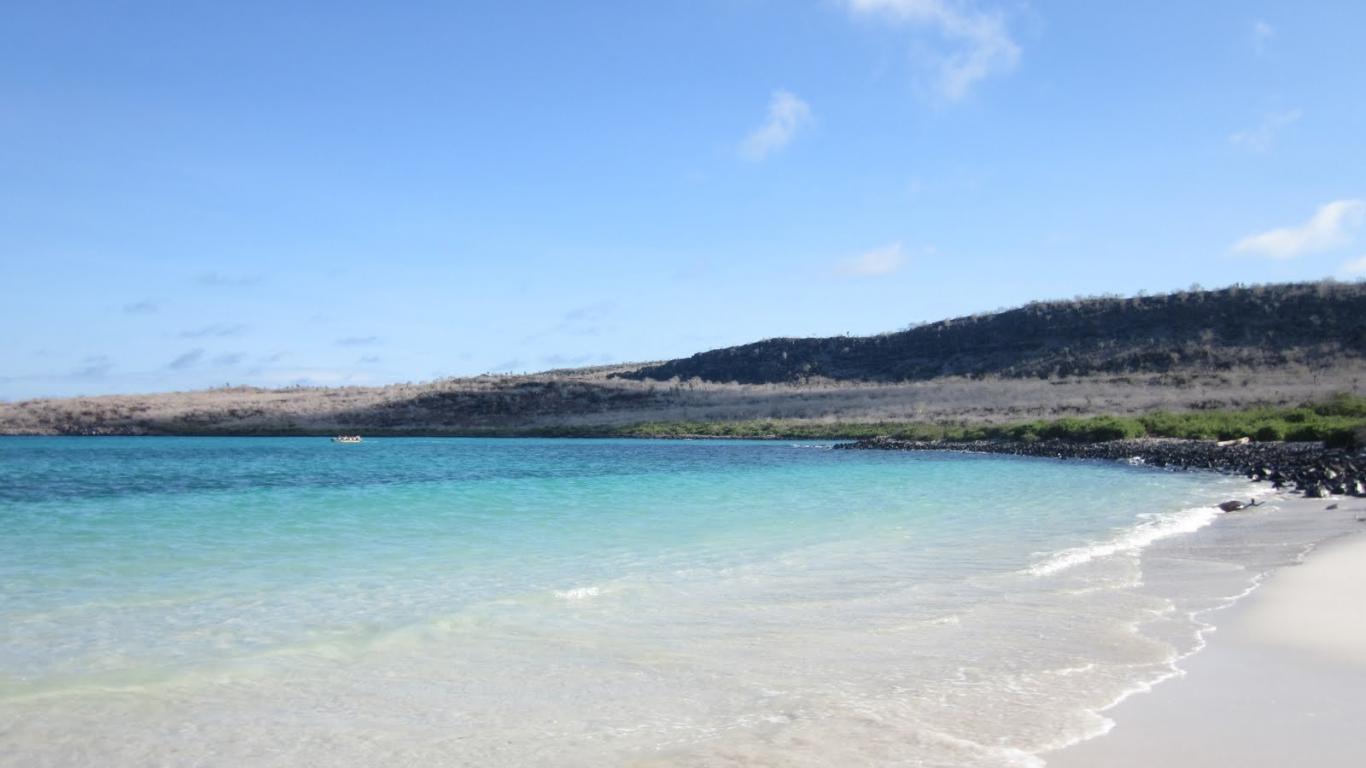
{"x":1343,"y":404}
{"x":1028,"y":432}
{"x":1342,"y":438}
{"x":1114,"y":428}
{"x":1340,"y":421}
{"x":1304,"y":433}
{"x":1270,"y":433}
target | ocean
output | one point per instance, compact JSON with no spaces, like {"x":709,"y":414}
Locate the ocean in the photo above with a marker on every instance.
{"x":487,"y":602}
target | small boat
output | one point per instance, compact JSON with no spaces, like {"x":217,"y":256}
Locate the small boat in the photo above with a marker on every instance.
{"x":346,"y":439}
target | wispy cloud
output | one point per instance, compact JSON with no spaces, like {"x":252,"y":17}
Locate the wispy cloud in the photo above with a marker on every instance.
{"x":93,"y":367}
{"x":587,"y":313}
{"x":359,"y":341}
{"x":1260,"y":138}
{"x":220,"y":330}
{"x":585,"y":320}
{"x":304,"y":377}
{"x":567,"y":361}
{"x":221,"y":280}
{"x":369,"y":360}
{"x":787,"y":115}
{"x":977,"y":43}
{"x":874,"y":263}
{"x":693,"y":269}
{"x":186,"y":360}
{"x":144,"y":307}
{"x":1330,"y":227}
{"x":1354,"y":268}
{"x":229,"y":359}
{"x":1262,"y":33}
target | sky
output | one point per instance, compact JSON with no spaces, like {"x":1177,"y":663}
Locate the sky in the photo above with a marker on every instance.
{"x":195,"y":194}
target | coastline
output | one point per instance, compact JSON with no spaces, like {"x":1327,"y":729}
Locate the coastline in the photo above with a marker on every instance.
{"x":1312,"y":468}
{"x":1281,"y":679}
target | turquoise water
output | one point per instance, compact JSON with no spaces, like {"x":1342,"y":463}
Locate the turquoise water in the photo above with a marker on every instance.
{"x":554,"y":602}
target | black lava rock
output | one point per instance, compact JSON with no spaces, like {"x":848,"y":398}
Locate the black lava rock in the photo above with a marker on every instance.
{"x":1307,"y":467}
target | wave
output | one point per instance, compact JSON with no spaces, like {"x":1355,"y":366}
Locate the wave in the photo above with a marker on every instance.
{"x":1152,"y":527}
{"x":1172,"y":668}
{"x":578,"y":593}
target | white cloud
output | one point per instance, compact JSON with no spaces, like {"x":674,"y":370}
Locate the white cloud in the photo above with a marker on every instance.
{"x":1330,"y":227}
{"x":980,"y":44}
{"x":1262,"y":33}
{"x":874,"y":263}
{"x":1354,"y":268}
{"x":787,"y":114}
{"x":1259,"y":139}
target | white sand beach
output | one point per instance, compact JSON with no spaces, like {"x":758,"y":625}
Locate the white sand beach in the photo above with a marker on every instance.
{"x":1282,"y":681}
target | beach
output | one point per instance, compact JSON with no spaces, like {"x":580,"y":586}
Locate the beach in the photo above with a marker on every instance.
{"x":1281,"y":682}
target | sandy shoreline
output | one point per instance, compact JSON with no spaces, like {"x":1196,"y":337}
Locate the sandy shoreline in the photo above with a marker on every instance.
{"x":1282,"y":680}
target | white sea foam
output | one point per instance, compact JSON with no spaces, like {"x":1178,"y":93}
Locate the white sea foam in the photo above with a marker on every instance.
{"x":1152,"y":528}
{"x":1171,"y":667}
{"x":578,"y":593}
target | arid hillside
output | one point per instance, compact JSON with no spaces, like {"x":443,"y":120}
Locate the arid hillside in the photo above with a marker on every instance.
{"x":1272,"y":345}
{"x":1312,"y":324}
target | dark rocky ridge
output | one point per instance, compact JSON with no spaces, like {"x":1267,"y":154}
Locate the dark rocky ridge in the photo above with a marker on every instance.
{"x":1306,"y":467}
{"x":1275,"y":325}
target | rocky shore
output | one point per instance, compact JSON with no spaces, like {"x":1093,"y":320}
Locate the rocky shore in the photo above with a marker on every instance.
{"x":1306,"y":467}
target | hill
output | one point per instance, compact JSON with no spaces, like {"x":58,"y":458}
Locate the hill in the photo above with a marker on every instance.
{"x":1264,"y":346}
{"x":1315,"y":324}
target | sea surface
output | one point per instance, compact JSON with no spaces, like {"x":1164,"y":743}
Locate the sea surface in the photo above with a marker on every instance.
{"x":484,"y":602}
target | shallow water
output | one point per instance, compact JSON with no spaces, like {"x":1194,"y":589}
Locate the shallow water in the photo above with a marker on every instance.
{"x":287,"y":601}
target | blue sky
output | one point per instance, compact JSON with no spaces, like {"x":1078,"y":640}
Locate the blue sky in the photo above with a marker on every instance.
{"x":198,"y":193}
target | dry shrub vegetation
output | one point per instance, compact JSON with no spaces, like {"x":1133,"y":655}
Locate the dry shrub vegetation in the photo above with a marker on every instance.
{"x":590,"y":401}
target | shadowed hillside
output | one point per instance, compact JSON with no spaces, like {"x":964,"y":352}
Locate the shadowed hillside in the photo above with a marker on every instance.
{"x":1315,"y":324}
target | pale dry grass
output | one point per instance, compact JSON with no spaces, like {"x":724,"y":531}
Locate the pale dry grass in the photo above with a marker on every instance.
{"x":588,"y":397}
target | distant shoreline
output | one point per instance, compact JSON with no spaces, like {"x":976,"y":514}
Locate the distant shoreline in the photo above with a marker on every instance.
{"x":1307,"y":467}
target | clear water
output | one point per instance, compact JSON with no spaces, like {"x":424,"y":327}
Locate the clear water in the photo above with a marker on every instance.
{"x":288,"y":601}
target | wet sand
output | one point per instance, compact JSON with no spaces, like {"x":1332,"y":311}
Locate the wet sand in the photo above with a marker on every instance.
{"x":1282,"y":681}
